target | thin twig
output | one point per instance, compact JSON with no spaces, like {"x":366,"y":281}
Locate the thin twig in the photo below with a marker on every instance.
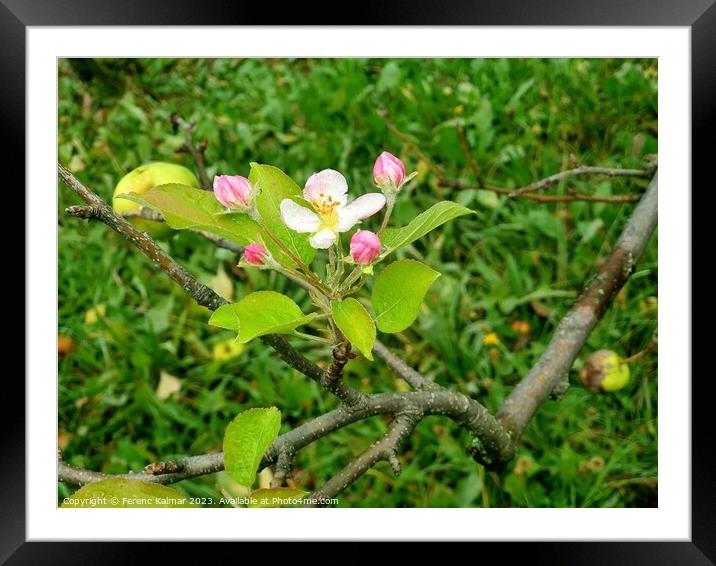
{"x":283,"y":465}
{"x":414,"y":378}
{"x":652,"y":346}
{"x":386,"y":449}
{"x":196,"y":151}
{"x":220,"y":242}
{"x":577,"y":171}
{"x":572,"y":196}
{"x":524,"y":192}
{"x":144,"y":212}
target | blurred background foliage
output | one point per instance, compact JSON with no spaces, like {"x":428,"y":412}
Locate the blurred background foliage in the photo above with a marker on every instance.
{"x":142,"y":377}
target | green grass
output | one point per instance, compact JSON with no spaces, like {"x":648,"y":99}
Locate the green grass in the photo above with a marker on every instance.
{"x":513,"y":260}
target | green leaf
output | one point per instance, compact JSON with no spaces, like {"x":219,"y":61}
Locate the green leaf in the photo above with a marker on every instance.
{"x":276,"y":497}
{"x":246,"y":439}
{"x":260,"y":313}
{"x":435,"y":216}
{"x":226,"y":317}
{"x":398,"y":292}
{"x":356,"y":324}
{"x":273,"y":186}
{"x":126,"y":493}
{"x":185,"y":207}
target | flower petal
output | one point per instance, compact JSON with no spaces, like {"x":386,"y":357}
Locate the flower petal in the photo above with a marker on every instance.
{"x":324,"y":184}
{"x":347,"y":218}
{"x":323,"y":239}
{"x":367,"y":205}
{"x":298,"y":217}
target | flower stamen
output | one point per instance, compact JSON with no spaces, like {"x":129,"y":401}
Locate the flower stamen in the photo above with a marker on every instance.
{"x":324,"y":204}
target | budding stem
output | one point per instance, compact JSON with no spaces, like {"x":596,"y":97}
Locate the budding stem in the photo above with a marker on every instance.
{"x":352,"y":278}
{"x":390,"y":203}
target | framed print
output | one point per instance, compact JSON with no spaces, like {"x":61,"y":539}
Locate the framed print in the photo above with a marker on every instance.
{"x":405,"y":271}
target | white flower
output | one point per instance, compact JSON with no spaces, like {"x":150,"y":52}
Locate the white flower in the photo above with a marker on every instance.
{"x":327,"y":192}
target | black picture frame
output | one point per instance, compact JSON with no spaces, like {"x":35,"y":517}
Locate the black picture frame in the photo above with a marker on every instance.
{"x":699,"y":15}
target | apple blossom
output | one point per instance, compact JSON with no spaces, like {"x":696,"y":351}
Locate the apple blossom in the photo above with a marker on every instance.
{"x":327,"y":192}
{"x":255,"y":254}
{"x":388,"y":172}
{"x":233,"y":191}
{"x":365,"y":247}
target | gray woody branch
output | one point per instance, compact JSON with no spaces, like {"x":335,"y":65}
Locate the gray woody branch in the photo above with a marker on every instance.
{"x":463,"y":410}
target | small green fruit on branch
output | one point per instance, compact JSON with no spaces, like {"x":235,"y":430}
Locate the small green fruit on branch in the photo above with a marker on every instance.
{"x":145,"y":177}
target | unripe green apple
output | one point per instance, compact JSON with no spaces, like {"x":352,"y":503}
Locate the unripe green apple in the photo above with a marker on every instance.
{"x":144,"y":177}
{"x":139,"y":181}
{"x":604,"y":370}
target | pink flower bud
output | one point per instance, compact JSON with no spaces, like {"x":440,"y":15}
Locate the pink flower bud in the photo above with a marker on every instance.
{"x":365,"y":247}
{"x":255,"y":254}
{"x":388,"y":171}
{"x":233,"y":191}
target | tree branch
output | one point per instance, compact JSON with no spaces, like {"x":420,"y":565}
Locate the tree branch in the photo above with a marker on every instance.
{"x":571,"y":197}
{"x":577,"y":171}
{"x":385,"y":449}
{"x":283,"y":465}
{"x":572,"y":332}
{"x":100,"y":210}
{"x":414,"y":378}
{"x":463,"y":410}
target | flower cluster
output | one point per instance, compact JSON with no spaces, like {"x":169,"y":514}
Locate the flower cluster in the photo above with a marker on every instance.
{"x":325,"y":211}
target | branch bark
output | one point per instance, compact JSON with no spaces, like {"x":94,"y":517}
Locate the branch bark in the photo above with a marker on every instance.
{"x":465,"y":411}
{"x":572,"y":332}
{"x":415,"y":379}
{"x":387,"y":448}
